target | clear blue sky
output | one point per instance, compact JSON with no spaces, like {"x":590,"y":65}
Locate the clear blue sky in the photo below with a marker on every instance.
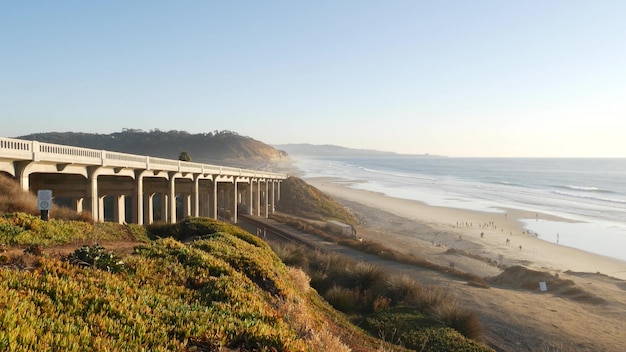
{"x":460,"y":78}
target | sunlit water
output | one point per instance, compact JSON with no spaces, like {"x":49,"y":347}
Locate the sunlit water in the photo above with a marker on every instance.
{"x":592,"y":191}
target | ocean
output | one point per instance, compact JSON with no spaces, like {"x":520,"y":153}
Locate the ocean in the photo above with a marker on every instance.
{"x":589,"y":191}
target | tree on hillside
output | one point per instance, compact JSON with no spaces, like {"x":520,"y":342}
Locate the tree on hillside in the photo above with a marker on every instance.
{"x":184,"y":156}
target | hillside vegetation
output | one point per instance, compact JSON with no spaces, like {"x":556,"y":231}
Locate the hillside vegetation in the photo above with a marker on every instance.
{"x":223,"y":147}
{"x":202,"y":285}
{"x":301,"y":199}
{"x":14,"y":199}
{"x":224,"y":289}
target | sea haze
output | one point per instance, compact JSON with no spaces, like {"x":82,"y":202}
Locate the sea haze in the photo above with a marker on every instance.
{"x":592,"y":191}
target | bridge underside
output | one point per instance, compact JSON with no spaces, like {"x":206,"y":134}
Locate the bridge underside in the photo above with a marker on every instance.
{"x":123,"y":187}
{"x":147,"y":197}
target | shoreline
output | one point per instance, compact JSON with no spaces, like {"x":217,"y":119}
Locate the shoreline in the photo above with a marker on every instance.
{"x":430,"y":231}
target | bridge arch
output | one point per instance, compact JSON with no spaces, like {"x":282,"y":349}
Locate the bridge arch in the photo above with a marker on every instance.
{"x":95,"y":179}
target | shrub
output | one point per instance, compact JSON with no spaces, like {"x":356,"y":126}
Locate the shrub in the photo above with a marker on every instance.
{"x":292,"y":255}
{"x":427,"y":297}
{"x":459,"y":318}
{"x":390,"y":304}
{"x":344,"y":299}
{"x":300,"y":279}
{"x":401,"y":288}
{"x":381,"y":303}
{"x":366,"y":276}
{"x":97,"y":257}
{"x":162,"y":230}
{"x":417,"y":331}
{"x":199,"y":227}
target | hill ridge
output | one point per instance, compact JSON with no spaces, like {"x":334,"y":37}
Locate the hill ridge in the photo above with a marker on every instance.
{"x":226,"y":147}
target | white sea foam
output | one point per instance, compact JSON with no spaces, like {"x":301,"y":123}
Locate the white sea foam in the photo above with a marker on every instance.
{"x":489,"y":184}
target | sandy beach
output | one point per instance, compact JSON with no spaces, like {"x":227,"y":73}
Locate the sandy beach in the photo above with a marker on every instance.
{"x":587,"y":314}
{"x":481,"y":233}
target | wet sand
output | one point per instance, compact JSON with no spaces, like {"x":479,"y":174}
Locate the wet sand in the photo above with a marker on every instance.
{"x":432,"y":230}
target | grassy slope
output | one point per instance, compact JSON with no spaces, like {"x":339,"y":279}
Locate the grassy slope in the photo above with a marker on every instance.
{"x":225,"y":289}
{"x":300,"y":199}
{"x":375,"y":299}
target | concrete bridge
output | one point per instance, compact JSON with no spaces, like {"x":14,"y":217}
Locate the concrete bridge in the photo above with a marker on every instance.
{"x":137,"y":188}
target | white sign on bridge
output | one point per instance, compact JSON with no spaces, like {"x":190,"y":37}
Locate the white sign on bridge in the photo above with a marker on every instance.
{"x":44,"y":199}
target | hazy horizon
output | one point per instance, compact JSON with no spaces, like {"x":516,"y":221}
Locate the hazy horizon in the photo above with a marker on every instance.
{"x":458,"y":79}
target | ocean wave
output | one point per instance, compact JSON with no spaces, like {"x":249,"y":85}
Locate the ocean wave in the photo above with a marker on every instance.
{"x":585,"y":189}
{"x":507,"y":183}
{"x":610,"y":200}
{"x":397,"y":174}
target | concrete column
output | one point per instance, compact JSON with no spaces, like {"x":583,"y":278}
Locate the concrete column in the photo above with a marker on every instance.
{"x":138,"y":208}
{"x":100,"y":208}
{"x":92,"y":194}
{"x":195,"y":196}
{"x":187,"y":207}
{"x":235,"y":200}
{"x":172,"y":198}
{"x":119,"y":215}
{"x":149,"y":209}
{"x":273,"y":197}
{"x":278,"y":191}
{"x":215,"y":205}
{"x":22,"y":174}
{"x":258,"y":197}
{"x":78,"y":204}
{"x":165,"y":207}
{"x":267,"y":199}
{"x":251,"y":198}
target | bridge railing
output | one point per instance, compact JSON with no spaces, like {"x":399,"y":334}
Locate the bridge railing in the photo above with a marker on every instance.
{"x":38,"y":151}
{"x":65,"y":153}
{"x":123,"y":159}
{"x":16,"y":148}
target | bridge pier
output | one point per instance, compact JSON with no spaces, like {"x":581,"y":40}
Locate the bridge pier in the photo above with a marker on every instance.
{"x":138,"y":198}
{"x":78,"y":204}
{"x":93,"y":202}
{"x":87,"y":176}
{"x":119,"y":209}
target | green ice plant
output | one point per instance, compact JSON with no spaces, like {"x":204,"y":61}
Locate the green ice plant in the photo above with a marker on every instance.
{"x":168,"y":296}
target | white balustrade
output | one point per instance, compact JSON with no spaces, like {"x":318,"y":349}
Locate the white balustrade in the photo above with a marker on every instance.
{"x":23,"y":150}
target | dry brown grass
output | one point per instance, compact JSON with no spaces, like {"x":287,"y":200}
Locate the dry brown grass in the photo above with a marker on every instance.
{"x":380,"y":250}
{"x":301,"y":199}
{"x":300,"y":279}
{"x":298,"y":313}
{"x":461,"y":319}
{"x":68,"y":214}
{"x":357,"y":287}
{"x":14,"y":199}
{"x":401,"y":288}
{"x":367,"y":276}
{"x":347,"y":300}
